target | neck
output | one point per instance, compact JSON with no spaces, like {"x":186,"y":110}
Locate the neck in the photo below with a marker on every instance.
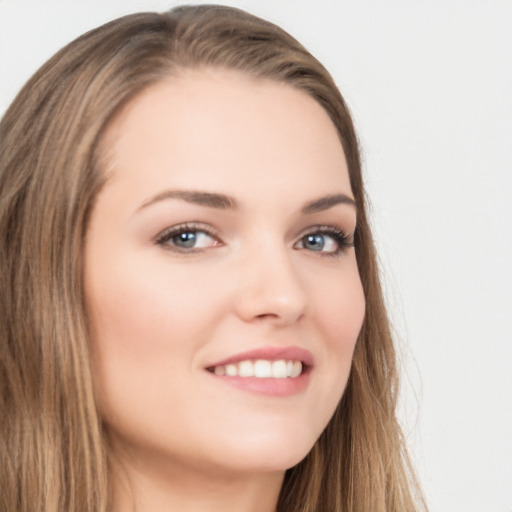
{"x":152,"y":488}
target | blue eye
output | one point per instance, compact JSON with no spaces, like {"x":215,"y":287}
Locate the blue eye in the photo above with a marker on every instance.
{"x":187,"y":239}
{"x":318,"y":243}
{"x":326,"y":240}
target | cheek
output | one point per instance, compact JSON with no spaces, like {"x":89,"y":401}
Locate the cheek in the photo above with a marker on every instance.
{"x":340,"y":315}
{"x":146,"y":307}
{"x":130,"y":318}
{"x":341,"y":310}
{"x":146,"y":325}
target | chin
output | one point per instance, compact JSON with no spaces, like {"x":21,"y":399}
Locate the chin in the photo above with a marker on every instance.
{"x":267,"y":452}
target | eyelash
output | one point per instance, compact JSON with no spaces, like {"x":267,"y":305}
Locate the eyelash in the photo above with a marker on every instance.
{"x":166,"y":236}
{"x":341,"y":239}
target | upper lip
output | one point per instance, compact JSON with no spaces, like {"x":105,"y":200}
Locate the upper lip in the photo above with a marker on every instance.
{"x":291,"y":353}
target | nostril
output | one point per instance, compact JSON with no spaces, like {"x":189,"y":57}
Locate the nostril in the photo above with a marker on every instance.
{"x":263,"y":316}
{"x":270,"y":292}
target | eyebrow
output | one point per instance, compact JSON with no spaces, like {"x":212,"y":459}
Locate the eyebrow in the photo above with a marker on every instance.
{"x":224,"y":202}
{"x":326,"y":202}
{"x":207,"y":199}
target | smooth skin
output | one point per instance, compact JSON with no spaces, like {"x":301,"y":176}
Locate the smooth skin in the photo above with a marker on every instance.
{"x":175,"y":282}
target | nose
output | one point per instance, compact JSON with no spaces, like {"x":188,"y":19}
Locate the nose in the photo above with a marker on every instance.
{"x":269,"y":288}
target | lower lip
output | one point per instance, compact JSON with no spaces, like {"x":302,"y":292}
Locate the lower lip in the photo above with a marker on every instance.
{"x":268,"y":387}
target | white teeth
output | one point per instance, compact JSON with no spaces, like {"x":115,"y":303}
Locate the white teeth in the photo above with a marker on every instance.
{"x":246,"y":369}
{"x":219,"y":370}
{"x":262,"y":369}
{"x":297,"y":369}
{"x":279,"y":370}
{"x":231,"y":370}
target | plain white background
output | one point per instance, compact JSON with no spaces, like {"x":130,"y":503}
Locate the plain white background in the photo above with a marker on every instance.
{"x":429,"y":84}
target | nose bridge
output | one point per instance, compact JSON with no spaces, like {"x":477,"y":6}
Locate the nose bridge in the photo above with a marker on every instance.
{"x":269,"y":284}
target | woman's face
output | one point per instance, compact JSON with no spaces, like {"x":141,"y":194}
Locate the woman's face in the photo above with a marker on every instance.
{"x":221,"y":281}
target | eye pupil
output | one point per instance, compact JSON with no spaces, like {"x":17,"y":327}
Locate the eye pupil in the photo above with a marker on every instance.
{"x":185,"y":239}
{"x":314,"y":242}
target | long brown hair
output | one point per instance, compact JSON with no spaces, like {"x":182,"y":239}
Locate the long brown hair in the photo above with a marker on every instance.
{"x":51,"y":447}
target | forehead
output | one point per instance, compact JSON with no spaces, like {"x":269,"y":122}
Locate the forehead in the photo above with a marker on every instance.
{"x":215,"y":129}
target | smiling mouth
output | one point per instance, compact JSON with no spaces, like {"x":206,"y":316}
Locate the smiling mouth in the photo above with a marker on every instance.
{"x":261,"y":368}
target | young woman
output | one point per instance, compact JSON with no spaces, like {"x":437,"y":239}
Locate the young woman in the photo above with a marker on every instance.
{"x":191,"y":312}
